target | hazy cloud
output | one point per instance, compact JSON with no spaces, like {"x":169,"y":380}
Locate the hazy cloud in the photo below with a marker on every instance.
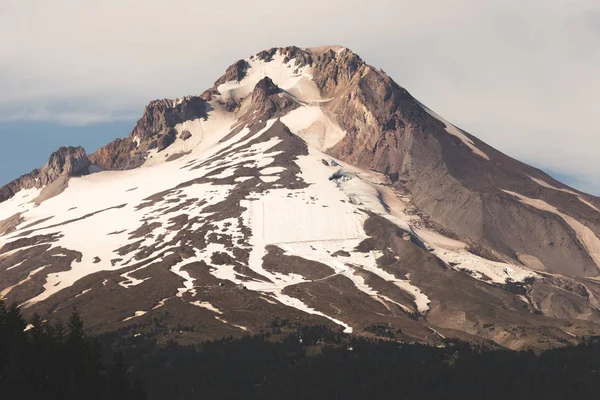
{"x":522,"y":76}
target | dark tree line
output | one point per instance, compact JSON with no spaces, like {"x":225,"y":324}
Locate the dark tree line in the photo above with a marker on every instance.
{"x":316,"y":363}
{"x":40,"y":360}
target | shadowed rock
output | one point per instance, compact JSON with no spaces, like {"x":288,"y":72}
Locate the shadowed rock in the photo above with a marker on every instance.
{"x":65,"y":162}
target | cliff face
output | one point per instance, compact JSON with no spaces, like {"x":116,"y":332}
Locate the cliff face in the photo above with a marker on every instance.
{"x":65,"y":162}
{"x":154,"y":131}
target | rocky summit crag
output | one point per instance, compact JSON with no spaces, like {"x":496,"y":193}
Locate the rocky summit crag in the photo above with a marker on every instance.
{"x":304,"y":187}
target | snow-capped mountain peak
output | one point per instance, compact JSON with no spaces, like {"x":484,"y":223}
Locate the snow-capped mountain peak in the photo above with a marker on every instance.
{"x":305,"y":185}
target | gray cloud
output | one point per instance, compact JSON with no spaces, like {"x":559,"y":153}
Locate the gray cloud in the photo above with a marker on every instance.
{"x":522,"y":76}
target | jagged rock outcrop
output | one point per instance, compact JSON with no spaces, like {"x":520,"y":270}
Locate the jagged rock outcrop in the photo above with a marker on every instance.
{"x":155,"y":130}
{"x":235,"y":72}
{"x":268,"y":100}
{"x":65,"y":162}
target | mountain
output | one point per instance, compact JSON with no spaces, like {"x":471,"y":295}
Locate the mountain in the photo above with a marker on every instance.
{"x":304,"y":187}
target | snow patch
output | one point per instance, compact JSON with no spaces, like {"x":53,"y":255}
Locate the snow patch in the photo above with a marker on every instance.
{"x":271,"y":170}
{"x":137,"y":314}
{"x":83,"y":292}
{"x":311,"y":123}
{"x":207,"y":305}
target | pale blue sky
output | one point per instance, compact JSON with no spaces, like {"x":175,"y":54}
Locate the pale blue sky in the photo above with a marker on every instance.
{"x":522,"y":76}
{"x":26,"y":145}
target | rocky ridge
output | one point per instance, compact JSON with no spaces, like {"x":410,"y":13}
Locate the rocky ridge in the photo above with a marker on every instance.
{"x":65,"y":162}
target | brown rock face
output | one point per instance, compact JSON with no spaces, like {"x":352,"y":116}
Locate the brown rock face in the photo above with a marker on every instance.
{"x":389,"y":131}
{"x":235,"y":72}
{"x":65,"y":162}
{"x":268,"y":100}
{"x":155,"y":130}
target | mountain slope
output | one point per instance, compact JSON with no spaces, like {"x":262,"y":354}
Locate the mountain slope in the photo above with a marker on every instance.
{"x":305,"y":185}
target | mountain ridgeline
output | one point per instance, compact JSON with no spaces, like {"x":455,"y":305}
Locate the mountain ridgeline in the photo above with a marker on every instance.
{"x":308,"y":185}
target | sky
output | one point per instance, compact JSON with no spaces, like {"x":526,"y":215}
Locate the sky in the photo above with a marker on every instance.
{"x":521,"y":75}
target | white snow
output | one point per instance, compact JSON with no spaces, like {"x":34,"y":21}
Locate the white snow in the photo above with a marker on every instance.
{"x":226,"y":322}
{"x":300,"y":305}
{"x":300,"y":215}
{"x":188,"y":284}
{"x":226,"y":173}
{"x":207,"y":305}
{"x":16,"y":265}
{"x":130,"y":280}
{"x":312,"y":124}
{"x":6,"y":291}
{"x":21,"y":202}
{"x":269,"y":178}
{"x":271,"y":170}
{"x":268,"y":301}
{"x":297,"y":83}
{"x":88,"y":195}
{"x":242,"y":178}
{"x":161,"y":303}
{"x":137,"y":314}
{"x":83,"y":292}
{"x":241,"y":327}
{"x":206,"y":134}
{"x":497,"y":272}
{"x":312,"y":223}
{"x":347,"y":266}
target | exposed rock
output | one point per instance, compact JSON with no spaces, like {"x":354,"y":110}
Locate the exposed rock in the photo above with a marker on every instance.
{"x":268,"y":101}
{"x":166,"y":139}
{"x":155,"y":130}
{"x":185,"y":135}
{"x":391,"y":132}
{"x":52,"y":190}
{"x":341,"y":253}
{"x":267,"y":55}
{"x":65,"y":162}
{"x":8,"y":225}
{"x":235,"y":72}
